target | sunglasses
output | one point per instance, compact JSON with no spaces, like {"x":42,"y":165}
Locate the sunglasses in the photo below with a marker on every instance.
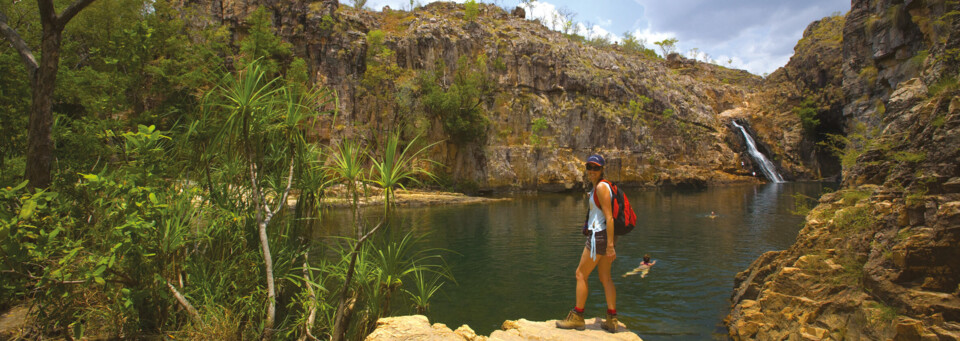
{"x":593,"y":167}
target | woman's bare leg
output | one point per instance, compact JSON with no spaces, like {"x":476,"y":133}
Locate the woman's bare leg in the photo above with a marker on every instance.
{"x":609,"y":290}
{"x":583,"y":271}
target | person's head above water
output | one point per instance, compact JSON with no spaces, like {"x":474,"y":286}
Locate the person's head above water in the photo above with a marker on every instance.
{"x":646,"y":258}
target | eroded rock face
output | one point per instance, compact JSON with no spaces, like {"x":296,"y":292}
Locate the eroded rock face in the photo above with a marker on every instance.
{"x":879,"y":259}
{"x":418,"y":327}
{"x":811,"y":79}
{"x":671,"y":135}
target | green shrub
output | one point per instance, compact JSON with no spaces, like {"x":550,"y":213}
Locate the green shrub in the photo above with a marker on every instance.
{"x":802,"y":204}
{"x":918,"y":59}
{"x":667,"y":113}
{"x":916,"y":197}
{"x":261,"y":43}
{"x":639,"y":106}
{"x":637,"y":45}
{"x":470,"y":10}
{"x":945,"y":84}
{"x":807,"y":112}
{"x":869,"y":74}
{"x":852,"y":197}
{"x":852,"y":271}
{"x":910,"y":157}
{"x":460,"y":107}
{"x":326,"y":23}
{"x":382,"y":69}
{"x":856,"y":218}
{"x":599,"y":42}
{"x":538,"y":125}
{"x":879,"y":108}
{"x":886,"y":314}
{"x":939,"y":121}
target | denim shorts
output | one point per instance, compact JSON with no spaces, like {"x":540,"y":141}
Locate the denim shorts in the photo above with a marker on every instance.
{"x":601,"y":242}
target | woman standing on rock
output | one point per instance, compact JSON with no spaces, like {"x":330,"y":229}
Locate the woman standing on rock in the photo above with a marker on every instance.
{"x":598,"y":252}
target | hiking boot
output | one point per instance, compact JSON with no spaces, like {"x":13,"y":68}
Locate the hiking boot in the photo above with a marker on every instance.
{"x":610,"y":324}
{"x":574,"y":320}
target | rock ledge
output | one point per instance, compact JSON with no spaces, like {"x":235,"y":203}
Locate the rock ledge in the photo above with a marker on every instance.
{"x":418,"y":327}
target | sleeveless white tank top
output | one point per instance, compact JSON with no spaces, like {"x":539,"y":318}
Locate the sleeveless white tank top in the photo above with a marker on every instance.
{"x":597,"y":221}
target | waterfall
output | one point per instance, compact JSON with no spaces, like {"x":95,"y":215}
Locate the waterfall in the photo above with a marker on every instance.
{"x":769,"y":170}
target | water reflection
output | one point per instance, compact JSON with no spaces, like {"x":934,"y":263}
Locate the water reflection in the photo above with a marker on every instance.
{"x":516,"y":259}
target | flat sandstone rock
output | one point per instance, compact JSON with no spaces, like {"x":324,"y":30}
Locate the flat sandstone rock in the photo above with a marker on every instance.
{"x":418,"y":327}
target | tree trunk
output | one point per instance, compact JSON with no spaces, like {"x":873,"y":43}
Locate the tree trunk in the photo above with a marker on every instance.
{"x":39,"y":135}
{"x":341,"y":317}
{"x":271,"y":295}
{"x":43,"y":78}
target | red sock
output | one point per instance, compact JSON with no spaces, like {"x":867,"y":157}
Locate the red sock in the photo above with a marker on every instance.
{"x":578,"y":310}
{"x":612,"y":311}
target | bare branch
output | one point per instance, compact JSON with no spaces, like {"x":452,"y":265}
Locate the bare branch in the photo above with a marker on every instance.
{"x":286,"y":192}
{"x":313,"y":300}
{"x":256,"y":191}
{"x":21,"y":46}
{"x":183,"y":302}
{"x":71,"y":11}
{"x":27,"y":275}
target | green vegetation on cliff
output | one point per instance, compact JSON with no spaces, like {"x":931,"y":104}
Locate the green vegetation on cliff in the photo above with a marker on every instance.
{"x":878,"y":258}
{"x":177,"y":149}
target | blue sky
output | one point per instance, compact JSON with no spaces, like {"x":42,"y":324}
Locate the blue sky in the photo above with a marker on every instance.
{"x":755,"y":35}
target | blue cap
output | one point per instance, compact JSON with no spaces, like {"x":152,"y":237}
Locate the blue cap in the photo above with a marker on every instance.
{"x":597,"y":159}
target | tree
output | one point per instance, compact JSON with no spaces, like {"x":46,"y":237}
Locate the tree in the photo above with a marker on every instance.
{"x":566,"y":16}
{"x":43,"y":77}
{"x":694,"y":54}
{"x":262,"y":128}
{"x":668,"y":46}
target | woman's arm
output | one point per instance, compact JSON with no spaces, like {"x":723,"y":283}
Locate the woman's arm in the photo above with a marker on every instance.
{"x":605,"y":205}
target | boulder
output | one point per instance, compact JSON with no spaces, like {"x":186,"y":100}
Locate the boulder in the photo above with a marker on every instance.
{"x":519,"y":12}
{"x":418,"y":327}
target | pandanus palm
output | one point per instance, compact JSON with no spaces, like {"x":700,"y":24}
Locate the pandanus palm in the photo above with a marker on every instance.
{"x":347,"y":168}
{"x":397,"y":166}
{"x":261,"y":131}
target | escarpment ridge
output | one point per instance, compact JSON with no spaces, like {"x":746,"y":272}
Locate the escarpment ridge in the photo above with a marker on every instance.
{"x":879,"y":259}
{"x":532,"y":102}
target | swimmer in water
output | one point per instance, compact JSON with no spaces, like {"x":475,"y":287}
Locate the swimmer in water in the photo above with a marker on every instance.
{"x":643,"y":269}
{"x":712,"y":215}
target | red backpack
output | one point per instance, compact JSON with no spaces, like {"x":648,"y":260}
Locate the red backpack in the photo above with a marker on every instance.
{"x":624,"y":220}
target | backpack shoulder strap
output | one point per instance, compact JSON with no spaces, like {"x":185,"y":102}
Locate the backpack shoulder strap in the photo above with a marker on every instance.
{"x":613,"y":191}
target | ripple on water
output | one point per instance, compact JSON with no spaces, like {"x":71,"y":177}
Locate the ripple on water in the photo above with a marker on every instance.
{"x":516,"y":259}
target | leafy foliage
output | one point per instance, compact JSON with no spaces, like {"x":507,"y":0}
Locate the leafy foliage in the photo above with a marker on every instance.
{"x":470,"y":10}
{"x":151,"y":214}
{"x":807,"y":112}
{"x":538,"y":125}
{"x":637,"y":45}
{"x":262,"y":44}
{"x":460,"y":106}
{"x":392,"y":169}
{"x":667,"y":46}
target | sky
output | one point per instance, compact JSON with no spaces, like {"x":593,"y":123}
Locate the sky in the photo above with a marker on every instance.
{"x":754,"y":35}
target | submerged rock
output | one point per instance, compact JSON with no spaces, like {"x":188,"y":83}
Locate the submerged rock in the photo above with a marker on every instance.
{"x":418,"y":327}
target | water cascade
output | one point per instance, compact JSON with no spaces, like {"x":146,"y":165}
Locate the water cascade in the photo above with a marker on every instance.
{"x":769,"y":170}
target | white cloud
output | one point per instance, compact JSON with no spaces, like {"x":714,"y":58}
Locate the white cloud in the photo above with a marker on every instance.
{"x":648,"y":37}
{"x":758,"y":35}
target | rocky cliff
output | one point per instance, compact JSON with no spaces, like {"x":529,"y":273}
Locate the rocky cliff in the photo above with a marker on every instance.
{"x":879,"y":259}
{"x":800,"y":104}
{"x":542,"y":100}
